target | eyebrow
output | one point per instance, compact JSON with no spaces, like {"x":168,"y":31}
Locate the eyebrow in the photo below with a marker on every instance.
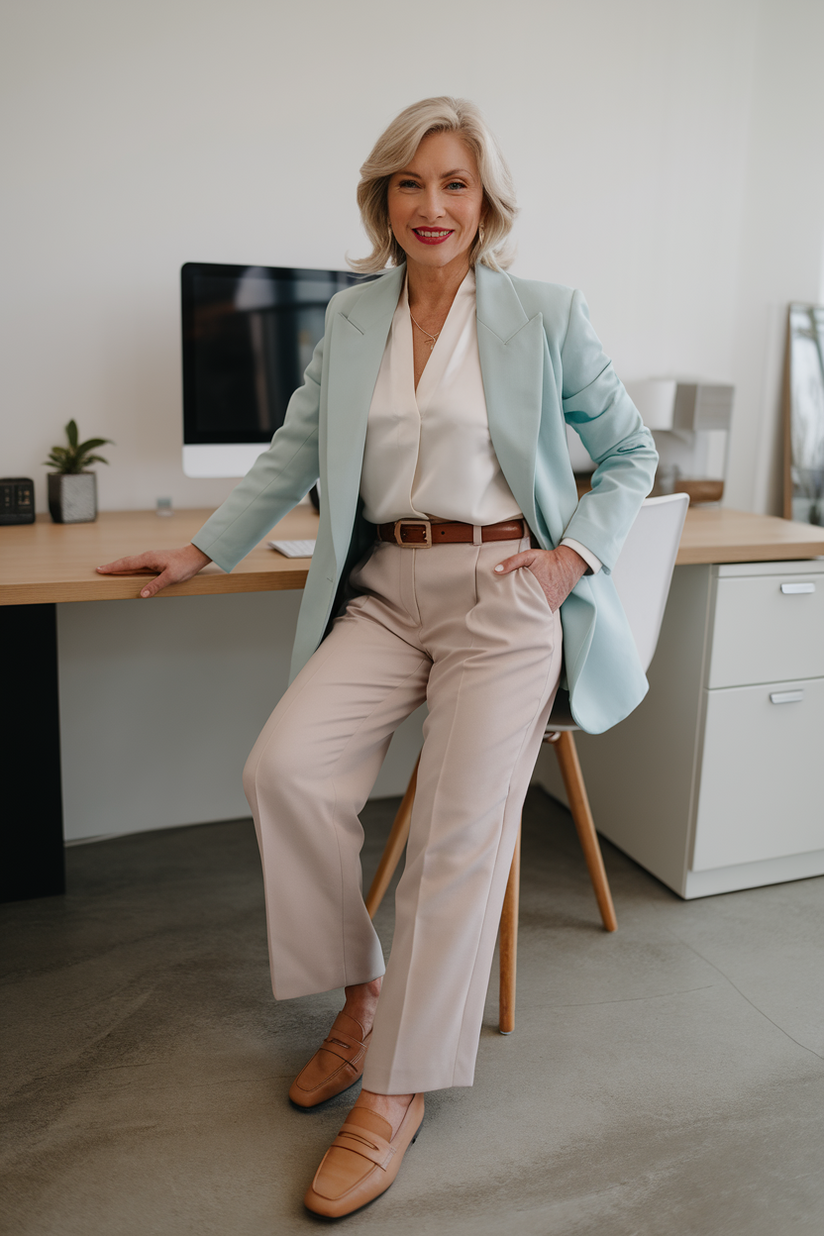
{"x":458,"y":171}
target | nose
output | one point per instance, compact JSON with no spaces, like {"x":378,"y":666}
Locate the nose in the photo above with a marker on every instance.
{"x":431,"y":204}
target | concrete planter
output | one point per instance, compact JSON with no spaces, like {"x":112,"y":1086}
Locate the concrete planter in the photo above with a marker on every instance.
{"x":73,"y":497}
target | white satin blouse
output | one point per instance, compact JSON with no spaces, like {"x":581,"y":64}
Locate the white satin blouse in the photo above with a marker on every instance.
{"x":428,"y":452}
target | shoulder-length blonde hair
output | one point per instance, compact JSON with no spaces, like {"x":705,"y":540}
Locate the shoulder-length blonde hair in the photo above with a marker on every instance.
{"x":395,"y":148}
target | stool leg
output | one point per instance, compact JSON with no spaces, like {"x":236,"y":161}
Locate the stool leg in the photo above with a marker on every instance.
{"x":508,"y":945}
{"x":564,"y":744}
{"x":394,"y":847}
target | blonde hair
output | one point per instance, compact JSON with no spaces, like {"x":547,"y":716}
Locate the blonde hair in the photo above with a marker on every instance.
{"x":395,"y":148}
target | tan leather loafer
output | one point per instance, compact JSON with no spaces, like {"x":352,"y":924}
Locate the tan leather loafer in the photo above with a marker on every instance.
{"x":335,"y":1066}
{"x":362,"y":1161}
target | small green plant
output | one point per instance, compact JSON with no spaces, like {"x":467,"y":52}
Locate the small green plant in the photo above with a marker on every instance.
{"x":77,"y":456}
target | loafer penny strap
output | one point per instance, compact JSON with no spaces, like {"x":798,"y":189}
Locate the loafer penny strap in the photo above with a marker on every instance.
{"x":345,"y":1046}
{"x":366,"y":1143}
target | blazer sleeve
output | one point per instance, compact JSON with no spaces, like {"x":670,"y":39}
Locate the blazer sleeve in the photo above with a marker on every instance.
{"x":276,"y":482}
{"x":599,"y":409}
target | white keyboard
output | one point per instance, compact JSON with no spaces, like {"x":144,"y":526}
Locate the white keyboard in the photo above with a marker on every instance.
{"x":293,"y":549}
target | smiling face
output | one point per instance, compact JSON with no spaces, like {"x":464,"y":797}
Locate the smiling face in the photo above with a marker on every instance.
{"x":436,"y":203}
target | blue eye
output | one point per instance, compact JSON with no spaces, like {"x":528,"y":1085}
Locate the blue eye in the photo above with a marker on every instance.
{"x":456,"y":184}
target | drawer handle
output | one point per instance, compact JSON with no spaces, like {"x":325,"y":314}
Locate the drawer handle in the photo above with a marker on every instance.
{"x":790,"y":589}
{"x":786,"y":697}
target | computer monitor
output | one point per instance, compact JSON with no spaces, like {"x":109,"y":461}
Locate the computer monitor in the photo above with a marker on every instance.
{"x":248,"y":335}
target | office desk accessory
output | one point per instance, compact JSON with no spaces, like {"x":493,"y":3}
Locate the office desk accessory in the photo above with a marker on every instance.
{"x":293,"y":549}
{"x":248,"y":334}
{"x":690,"y":422}
{"x":16,"y":500}
{"x":72,"y":487}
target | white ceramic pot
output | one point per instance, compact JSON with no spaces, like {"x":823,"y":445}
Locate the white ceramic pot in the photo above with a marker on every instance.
{"x":73,"y":497}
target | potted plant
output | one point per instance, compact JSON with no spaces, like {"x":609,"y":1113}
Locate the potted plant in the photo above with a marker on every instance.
{"x":73,"y":489}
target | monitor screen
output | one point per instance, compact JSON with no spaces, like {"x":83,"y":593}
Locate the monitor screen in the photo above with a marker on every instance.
{"x":248,"y":335}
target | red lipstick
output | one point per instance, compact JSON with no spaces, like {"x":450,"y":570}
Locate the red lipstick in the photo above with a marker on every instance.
{"x":432,"y":235}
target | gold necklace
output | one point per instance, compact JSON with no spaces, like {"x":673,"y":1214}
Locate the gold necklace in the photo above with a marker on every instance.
{"x":428,"y":334}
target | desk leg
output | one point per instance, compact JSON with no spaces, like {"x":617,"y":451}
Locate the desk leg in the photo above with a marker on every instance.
{"x":33,"y":861}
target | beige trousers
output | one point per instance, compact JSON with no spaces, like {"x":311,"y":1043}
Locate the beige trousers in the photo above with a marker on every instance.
{"x":484,"y":651}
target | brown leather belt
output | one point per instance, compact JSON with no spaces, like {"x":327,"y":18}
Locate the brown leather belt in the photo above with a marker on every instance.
{"x":424,"y":533}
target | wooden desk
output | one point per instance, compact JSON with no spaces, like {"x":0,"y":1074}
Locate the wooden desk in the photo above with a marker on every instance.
{"x":45,"y":563}
{"x":713,"y":534}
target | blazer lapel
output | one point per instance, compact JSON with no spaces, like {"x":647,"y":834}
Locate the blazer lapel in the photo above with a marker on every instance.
{"x":356,"y":341}
{"x":511,"y":347}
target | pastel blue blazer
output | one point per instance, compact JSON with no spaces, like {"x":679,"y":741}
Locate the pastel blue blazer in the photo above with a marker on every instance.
{"x":542,"y":367}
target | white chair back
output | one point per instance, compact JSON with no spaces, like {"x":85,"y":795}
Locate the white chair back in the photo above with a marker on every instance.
{"x":643,"y":572}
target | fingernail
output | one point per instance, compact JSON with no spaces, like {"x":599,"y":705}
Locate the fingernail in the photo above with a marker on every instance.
{"x":145,"y":592}
{"x":499,"y":567}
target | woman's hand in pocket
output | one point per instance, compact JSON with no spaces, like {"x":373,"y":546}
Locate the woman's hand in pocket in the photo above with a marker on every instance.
{"x":556,"y":570}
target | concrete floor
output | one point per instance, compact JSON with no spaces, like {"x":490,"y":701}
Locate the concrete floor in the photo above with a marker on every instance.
{"x":667,"y":1079}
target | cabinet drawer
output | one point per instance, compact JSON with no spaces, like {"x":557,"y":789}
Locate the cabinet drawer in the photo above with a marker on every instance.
{"x":761,"y":793}
{"x":764,"y":634}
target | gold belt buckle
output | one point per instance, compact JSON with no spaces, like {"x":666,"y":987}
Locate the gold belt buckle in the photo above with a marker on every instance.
{"x":425,"y":524}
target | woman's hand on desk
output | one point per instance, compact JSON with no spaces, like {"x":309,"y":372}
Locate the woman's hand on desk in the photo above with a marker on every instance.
{"x":556,"y":570}
{"x":171,"y":566}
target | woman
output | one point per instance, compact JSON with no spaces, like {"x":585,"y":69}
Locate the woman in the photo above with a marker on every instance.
{"x":450,"y":538}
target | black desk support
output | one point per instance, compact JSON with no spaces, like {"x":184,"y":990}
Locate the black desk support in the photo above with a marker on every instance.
{"x":31,"y":800}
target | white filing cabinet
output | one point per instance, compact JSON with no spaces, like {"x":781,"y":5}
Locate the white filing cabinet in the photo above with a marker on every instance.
{"x":716,"y":782}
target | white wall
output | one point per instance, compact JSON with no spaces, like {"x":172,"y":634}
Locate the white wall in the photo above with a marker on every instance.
{"x":667,"y":157}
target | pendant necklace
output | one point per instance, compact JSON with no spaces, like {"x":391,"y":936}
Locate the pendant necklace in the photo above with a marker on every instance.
{"x":428,"y":334}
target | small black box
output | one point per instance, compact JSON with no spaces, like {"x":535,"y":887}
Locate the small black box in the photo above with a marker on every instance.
{"x":16,"y":500}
